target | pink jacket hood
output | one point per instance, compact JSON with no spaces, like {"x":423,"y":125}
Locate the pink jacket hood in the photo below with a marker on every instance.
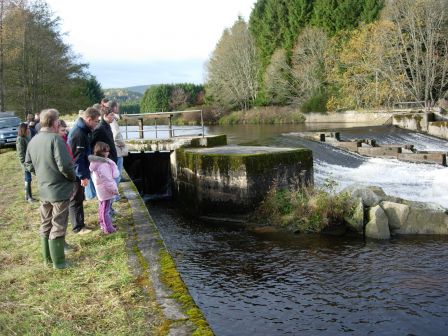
{"x":104,"y":172}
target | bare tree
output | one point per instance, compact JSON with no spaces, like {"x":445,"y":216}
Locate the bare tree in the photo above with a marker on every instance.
{"x":178,"y":98}
{"x":420,"y":39}
{"x":232,"y":71}
{"x":278,"y":81}
{"x":308,"y":61}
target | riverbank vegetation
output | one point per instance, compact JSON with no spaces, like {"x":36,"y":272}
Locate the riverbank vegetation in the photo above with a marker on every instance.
{"x":264,"y":115}
{"x":318,"y":56}
{"x":329,"y":55}
{"x":37,"y":68}
{"x":98,"y":294}
{"x":305,"y":209}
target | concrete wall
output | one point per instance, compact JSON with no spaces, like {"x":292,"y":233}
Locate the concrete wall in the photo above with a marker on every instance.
{"x":438,"y":129}
{"x":372,"y":118}
{"x":422,"y":122}
{"x":412,"y":121}
{"x":234,"y":179}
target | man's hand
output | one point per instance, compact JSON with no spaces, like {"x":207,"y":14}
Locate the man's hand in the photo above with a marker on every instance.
{"x":84,"y":182}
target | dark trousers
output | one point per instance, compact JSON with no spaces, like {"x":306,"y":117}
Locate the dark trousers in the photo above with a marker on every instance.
{"x":76,"y":209}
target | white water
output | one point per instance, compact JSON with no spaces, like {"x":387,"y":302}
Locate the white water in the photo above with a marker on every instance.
{"x":417,"y":182}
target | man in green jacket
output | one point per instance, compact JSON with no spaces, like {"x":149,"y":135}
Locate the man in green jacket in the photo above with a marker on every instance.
{"x":48,"y":157}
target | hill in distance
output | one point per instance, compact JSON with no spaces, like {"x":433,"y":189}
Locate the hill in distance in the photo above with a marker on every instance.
{"x":122,"y":95}
{"x":138,"y":88}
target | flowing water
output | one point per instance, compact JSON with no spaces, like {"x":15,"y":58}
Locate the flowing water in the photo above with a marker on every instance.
{"x":250,"y":283}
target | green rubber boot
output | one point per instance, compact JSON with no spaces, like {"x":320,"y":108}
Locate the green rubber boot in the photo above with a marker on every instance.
{"x":57,"y":252}
{"x":46,"y":251}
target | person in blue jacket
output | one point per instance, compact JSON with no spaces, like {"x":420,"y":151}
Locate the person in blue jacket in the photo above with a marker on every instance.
{"x":79,"y":140}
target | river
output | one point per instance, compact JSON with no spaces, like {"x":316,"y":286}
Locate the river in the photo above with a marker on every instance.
{"x":249,"y":283}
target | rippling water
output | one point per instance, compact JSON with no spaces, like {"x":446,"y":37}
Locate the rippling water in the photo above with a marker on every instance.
{"x":275,"y":284}
{"x":249,"y":283}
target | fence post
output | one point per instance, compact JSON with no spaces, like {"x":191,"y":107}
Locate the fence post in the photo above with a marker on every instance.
{"x":126,"y":127}
{"x":202,"y":124}
{"x":140,"y":128}
{"x":170,"y":134}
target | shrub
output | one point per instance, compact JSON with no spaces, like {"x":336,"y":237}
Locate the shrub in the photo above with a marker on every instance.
{"x":307,"y":210}
{"x":316,"y":103}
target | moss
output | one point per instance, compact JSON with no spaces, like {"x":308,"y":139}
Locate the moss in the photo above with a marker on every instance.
{"x":258,"y":164}
{"x":147,"y":141}
{"x":439,"y":124}
{"x":255,"y":164}
{"x":172,"y":279}
{"x":210,"y":141}
{"x":400,"y":117}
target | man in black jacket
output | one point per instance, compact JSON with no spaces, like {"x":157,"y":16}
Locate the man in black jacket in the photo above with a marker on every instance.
{"x":79,"y":140}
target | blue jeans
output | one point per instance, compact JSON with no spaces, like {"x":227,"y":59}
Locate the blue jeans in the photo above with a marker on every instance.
{"x":117,"y":180}
{"x":120,"y":168}
{"x":27,"y":175}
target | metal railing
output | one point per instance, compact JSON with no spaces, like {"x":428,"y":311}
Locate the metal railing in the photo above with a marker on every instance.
{"x":141,"y":117}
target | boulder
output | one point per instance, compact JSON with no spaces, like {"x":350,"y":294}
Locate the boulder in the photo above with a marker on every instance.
{"x":370,"y":195}
{"x":424,"y":218}
{"x":397,"y":214}
{"x":355,"y":221}
{"x":378,"y":225}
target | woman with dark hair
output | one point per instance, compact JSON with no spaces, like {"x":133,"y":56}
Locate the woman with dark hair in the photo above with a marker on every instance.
{"x":31,"y":124}
{"x":23,"y":138}
{"x":63,"y":133}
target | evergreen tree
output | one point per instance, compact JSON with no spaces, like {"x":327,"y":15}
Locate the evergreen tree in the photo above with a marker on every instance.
{"x":156,"y":99}
{"x":93,"y":91}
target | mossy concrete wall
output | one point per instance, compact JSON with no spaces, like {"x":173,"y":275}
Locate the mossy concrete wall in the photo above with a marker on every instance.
{"x":423,"y":122}
{"x":233,"y":179}
{"x":438,"y":129}
{"x":411,"y":121}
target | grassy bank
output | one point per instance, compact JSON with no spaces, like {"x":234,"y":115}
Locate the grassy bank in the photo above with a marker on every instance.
{"x":264,"y":115}
{"x":97,"y":295}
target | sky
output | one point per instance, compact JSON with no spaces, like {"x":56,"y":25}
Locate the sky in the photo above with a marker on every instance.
{"x":138,"y":42}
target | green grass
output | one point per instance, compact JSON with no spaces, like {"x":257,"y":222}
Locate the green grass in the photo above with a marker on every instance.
{"x":97,"y":294}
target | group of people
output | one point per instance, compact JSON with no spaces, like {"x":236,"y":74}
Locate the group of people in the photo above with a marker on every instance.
{"x":65,"y":164}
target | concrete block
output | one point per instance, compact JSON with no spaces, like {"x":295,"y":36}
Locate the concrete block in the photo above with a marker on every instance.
{"x":434,"y":158}
{"x":386,"y":152}
{"x":349,"y":145}
{"x":234,"y":179}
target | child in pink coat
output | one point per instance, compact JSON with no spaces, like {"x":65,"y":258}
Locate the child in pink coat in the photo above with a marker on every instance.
{"x":104,"y":172}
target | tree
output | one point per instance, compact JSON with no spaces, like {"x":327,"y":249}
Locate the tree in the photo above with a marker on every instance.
{"x":308,"y":67}
{"x":278,"y":81}
{"x":37,"y":69}
{"x":179,"y":98}
{"x":232,"y":71}
{"x":93,"y":90}
{"x":419,"y":39}
{"x":361,"y":71}
{"x":336,"y":15}
{"x":156,"y":99}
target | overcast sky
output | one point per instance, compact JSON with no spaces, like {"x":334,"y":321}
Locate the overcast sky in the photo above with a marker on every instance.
{"x":136,"y":42}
